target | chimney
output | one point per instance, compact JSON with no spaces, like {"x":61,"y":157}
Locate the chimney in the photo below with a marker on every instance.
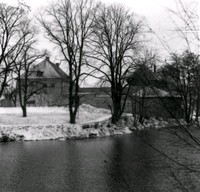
{"x":57,"y":64}
{"x":47,"y":58}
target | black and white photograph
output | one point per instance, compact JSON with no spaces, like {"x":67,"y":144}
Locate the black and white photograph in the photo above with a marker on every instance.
{"x":99,"y":96}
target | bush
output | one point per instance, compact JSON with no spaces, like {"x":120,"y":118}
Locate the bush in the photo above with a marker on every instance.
{"x":6,"y":138}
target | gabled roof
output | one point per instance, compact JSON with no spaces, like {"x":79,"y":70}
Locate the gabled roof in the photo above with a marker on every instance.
{"x":61,"y":73}
{"x":48,"y":69}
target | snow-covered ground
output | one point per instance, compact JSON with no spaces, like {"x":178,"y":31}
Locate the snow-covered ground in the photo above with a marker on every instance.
{"x":44,"y":123}
{"x":49,"y":115}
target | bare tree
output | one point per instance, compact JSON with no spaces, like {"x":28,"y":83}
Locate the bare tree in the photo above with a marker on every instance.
{"x":196,"y":73}
{"x":115,"y":39}
{"x":24,"y":65}
{"x":181,"y":75}
{"x":10,"y":21}
{"x":10,"y":92}
{"x":69,"y":27}
{"x":186,"y":22}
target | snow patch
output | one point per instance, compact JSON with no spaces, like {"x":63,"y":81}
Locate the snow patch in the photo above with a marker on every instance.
{"x":46,"y":123}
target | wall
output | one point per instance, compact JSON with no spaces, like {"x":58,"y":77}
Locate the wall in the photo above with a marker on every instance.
{"x":54,"y":94}
{"x":166,"y":107}
{"x":6,"y":103}
{"x":99,"y":97}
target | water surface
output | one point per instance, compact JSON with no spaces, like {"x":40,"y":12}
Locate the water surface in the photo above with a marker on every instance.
{"x":119,"y":163}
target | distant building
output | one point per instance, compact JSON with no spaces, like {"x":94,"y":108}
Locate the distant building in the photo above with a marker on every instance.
{"x":150,"y":96}
{"x":55,"y":82}
{"x":154,"y":102}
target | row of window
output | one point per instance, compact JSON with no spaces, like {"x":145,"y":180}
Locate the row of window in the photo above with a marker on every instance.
{"x":51,"y":85}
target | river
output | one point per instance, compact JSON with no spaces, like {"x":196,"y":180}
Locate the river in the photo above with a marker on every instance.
{"x":142,"y":161}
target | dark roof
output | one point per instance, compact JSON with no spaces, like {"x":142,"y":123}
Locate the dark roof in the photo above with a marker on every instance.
{"x":142,"y":76}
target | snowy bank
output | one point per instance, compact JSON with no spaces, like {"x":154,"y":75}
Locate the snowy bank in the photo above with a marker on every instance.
{"x":48,"y":124}
{"x":61,"y":132}
{"x":158,"y":123}
{"x":77,"y":131}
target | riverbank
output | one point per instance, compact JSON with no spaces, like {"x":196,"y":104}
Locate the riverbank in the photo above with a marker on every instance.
{"x":61,"y":132}
{"x":51,"y":124}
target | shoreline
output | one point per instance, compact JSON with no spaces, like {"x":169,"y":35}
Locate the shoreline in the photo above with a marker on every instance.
{"x":94,"y":129}
{"x":57,"y":132}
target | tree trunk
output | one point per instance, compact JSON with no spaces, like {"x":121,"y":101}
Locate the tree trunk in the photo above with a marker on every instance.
{"x":141,"y":119}
{"x":116,"y":111}
{"x":197,"y":107}
{"x":115,"y":118}
{"x":72,"y":118}
{"x":187,"y":118}
{"x":73,"y":108}
{"x":24,"y":111}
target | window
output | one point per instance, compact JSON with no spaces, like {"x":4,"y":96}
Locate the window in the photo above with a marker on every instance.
{"x":39,"y":74}
{"x":52,"y":85}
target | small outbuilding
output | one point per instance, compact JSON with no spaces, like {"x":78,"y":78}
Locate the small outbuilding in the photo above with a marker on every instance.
{"x":155,"y":102}
{"x":150,"y":96}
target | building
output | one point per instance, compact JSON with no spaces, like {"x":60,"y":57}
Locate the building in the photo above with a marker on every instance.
{"x":150,"y":96}
{"x":55,"y":82}
{"x":154,"y":102}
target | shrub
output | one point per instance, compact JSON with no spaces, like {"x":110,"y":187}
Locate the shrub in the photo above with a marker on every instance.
{"x":6,"y":138}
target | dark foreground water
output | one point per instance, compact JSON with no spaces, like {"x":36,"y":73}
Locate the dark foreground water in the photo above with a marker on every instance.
{"x":119,"y":163}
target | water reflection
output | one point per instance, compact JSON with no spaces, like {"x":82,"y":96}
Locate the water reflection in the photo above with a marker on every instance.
{"x":129,"y":166}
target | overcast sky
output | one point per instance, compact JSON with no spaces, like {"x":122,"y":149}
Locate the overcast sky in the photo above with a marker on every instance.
{"x":155,"y":12}
{"x":152,"y":9}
